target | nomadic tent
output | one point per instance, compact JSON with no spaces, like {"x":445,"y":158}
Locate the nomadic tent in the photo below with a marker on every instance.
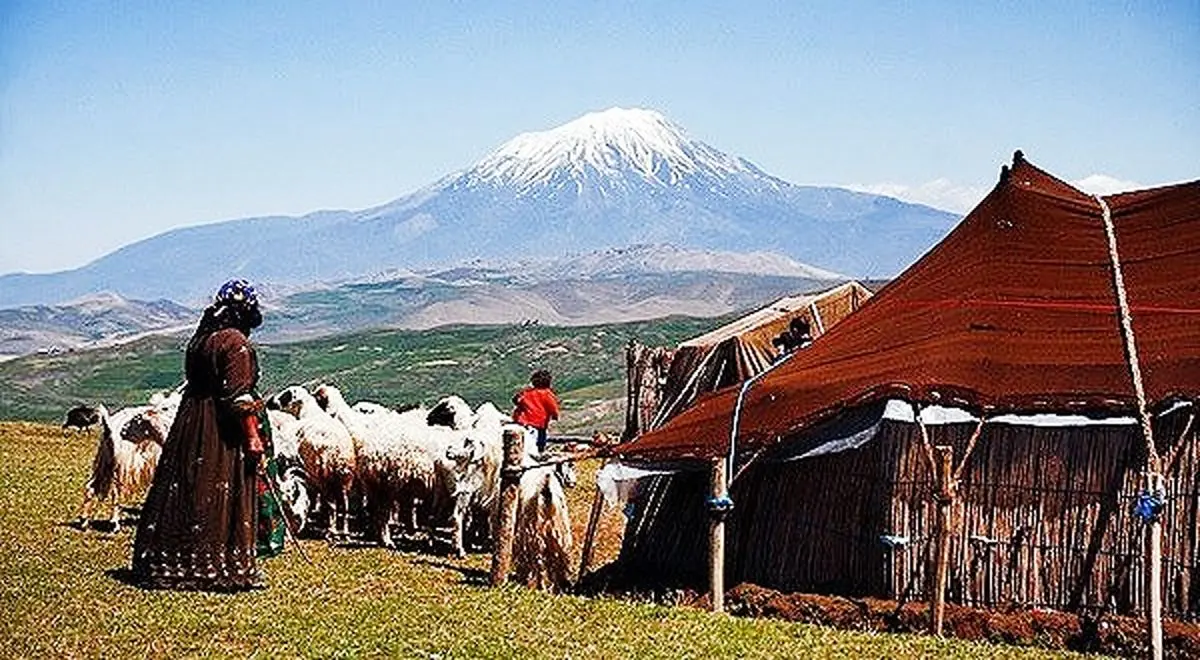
{"x":1012,"y":318}
{"x":664,"y":383}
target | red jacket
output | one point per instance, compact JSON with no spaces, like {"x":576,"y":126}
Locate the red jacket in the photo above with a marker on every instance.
{"x":536,"y":406}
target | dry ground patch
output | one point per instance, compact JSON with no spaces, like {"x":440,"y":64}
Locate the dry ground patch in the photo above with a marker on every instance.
{"x":62,"y":596}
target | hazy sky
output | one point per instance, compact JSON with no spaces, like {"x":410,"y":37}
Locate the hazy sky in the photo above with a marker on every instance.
{"x":121,"y":120}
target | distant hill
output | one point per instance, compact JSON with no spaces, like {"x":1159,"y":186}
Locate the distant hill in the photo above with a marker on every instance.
{"x":610,"y":179}
{"x":390,"y":366}
{"x":613,"y":286}
{"x":88,"y":321}
{"x":609,"y":286}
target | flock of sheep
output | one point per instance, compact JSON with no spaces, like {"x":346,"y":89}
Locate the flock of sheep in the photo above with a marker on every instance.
{"x":432,"y":472}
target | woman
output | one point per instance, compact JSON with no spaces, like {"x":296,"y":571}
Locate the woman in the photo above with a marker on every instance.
{"x":197,"y":528}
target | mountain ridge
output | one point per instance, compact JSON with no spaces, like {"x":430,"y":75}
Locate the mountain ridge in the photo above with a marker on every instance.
{"x":617,"y":285}
{"x":607,"y":180}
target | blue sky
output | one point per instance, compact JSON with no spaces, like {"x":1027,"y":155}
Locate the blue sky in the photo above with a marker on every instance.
{"x":122,"y":120}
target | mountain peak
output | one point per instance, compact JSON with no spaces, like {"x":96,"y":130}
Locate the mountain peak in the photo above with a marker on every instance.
{"x":617,"y":141}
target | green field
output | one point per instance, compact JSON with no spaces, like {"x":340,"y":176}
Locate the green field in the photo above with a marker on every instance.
{"x":62,"y":596}
{"x":393,"y":367}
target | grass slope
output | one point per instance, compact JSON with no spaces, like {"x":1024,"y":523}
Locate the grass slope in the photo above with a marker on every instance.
{"x":392,"y":366}
{"x":60,"y":598}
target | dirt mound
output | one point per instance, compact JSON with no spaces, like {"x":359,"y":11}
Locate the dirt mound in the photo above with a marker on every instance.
{"x":1113,"y":635}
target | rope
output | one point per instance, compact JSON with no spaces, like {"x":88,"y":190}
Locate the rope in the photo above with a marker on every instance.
{"x":816,"y":314}
{"x":660,"y":417}
{"x":1135,"y":370}
{"x":737,"y":414}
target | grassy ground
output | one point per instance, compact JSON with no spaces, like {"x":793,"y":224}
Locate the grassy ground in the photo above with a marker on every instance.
{"x":62,"y":596}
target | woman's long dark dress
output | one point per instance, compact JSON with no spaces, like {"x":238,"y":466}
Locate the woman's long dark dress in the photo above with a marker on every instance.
{"x":197,"y":527}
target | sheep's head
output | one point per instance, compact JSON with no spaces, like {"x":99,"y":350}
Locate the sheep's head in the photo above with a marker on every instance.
{"x":468,"y":462}
{"x":452,"y":412}
{"x":293,"y":489}
{"x":321,"y":395}
{"x":291,"y":400}
{"x":565,"y":471}
{"x":144,"y":426}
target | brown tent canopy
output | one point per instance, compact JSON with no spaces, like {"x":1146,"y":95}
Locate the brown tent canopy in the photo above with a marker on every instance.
{"x":744,"y":347}
{"x":1014,"y":311}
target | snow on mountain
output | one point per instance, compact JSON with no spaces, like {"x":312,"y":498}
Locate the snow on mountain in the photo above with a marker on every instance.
{"x":607,"y":180}
{"x":606,"y":143}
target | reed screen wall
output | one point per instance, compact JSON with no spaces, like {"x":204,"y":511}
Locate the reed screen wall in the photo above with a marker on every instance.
{"x":1044,"y":519}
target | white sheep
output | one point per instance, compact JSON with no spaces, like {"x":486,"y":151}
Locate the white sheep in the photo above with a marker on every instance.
{"x":474,"y":465}
{"x":292,"y":482}
{"x":542,"y":538}
{"x":452,"y":412}
{"x":127,"y":453}
{"x":395,"y":467}
{"x":327,"y":452}
{"x":284,"y":438}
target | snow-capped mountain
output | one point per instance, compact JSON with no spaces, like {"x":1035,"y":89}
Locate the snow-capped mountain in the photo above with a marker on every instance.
{"x":606,"y":180}
{"x":612,"y":144}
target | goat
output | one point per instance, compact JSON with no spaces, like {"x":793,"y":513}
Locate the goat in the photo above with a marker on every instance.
{"x":81,"y":418}
{"x":542,"y":539}
{"x":130,"y":444}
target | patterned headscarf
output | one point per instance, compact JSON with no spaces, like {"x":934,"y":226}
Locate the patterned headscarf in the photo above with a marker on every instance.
{"x":237,"y":291}
{"x":235,"y":305}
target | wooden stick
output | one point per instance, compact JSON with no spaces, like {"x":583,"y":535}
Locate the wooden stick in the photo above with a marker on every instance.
{"x":1183,"y":439}
{"x":970,"y":447}
{"x":510,"y":482}
{"x":945,"y":500}
{"x":589,"y":537}
{"x":926,"y":446}
{"x":716,"y":540}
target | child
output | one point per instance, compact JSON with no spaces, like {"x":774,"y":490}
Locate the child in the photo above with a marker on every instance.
{"x":536,"y":406}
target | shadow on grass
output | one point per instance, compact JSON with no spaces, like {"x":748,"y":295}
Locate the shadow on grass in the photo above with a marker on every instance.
{"x":472,"y":576}
{"x":101,"y":526}
{"x":124,"y":575}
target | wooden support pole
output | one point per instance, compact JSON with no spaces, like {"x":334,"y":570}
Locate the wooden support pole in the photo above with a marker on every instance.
{"x":589,"y":537}
{"x":1154,"y":574}
{"x":716,"y":538}
{"x":510,"y":482}
{"x":944,"y":495}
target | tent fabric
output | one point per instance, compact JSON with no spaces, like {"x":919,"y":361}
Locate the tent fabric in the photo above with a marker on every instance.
{"x":742,"y":348}
{"x":1013,"y":312}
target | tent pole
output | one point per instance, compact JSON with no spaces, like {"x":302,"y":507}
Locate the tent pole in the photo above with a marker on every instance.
{"x":589,"y":537}
{"x":716,"y":537}
{"x":633,"y":382}
{"x":1154,"y":484}
{"x":1154,"y":480}
{"x":944,"y":496}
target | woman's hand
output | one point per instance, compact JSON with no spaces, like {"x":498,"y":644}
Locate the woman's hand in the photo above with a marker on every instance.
{"x":253,"y":447}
